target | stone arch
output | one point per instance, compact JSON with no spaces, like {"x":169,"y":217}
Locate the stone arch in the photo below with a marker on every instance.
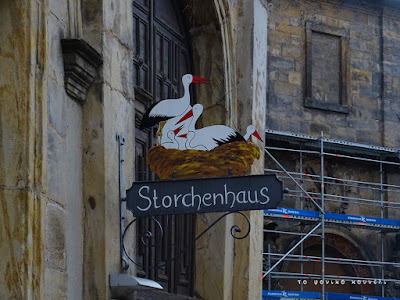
{"x":208,"y":26}
{"x":338,"y":244}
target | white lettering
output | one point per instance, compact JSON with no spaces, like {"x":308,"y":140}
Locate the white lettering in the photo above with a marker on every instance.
{"x":227,"y":195}
{"x":195,"y":196}
{"x":264,"y":195}
{"x":176,"y":198}
{"x":255,"y":197}
{"x":215,"y":198}
{"x":206,"y":196}
{"x":184,"y":202}
{"x":144,"y":197}
{"x":163,"y":201}
{"x":155,"y":200}
{"x":241,"y":194}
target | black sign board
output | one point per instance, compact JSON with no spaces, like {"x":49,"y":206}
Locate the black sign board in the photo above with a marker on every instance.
{"x":204,"y":195}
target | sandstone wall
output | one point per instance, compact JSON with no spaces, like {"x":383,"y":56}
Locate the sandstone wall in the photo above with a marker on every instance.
{"x":371,"y":51}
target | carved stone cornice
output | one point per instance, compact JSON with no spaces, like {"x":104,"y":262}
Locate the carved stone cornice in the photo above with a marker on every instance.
{"x":80,"y":64}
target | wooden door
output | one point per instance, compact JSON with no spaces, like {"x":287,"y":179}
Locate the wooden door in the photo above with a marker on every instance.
{"x":161,"y":58}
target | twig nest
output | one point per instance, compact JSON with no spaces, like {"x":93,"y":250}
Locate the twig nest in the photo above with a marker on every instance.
{"x":199,"y":163}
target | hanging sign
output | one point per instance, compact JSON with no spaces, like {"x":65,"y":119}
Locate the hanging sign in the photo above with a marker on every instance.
{"x":193,"y":151}
{"x":236,"y":193}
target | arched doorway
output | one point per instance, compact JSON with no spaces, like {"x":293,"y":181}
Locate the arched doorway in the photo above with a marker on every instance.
{"x":337,"y":247}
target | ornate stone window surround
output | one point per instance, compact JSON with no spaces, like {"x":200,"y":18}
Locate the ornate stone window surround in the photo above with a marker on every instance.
{"x":343,"y":34}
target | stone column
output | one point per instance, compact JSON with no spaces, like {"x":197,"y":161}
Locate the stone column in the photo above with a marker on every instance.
{"x":23,"y":112}
{"x":249,"y":48}
{"x":230,"y":48}
{"x":107,"y":110}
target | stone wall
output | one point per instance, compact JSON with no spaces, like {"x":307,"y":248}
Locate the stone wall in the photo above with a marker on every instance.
{"x":370,"y":92}
{"x":22,"y":148}
{"x":63,"y":212}
{"x":304,"y":37}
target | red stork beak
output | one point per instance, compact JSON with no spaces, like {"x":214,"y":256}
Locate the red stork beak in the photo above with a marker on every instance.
{"x":183,"y":135}
{"x":176,"y":131}
{"x":185,"y":117}
{"x":257,"y":135}
{"x":197,"y":79}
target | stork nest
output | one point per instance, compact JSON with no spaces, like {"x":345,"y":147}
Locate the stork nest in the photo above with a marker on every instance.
{"x":199,"y":163}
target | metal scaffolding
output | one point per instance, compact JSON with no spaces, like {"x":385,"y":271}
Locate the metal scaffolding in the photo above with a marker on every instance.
{"x":309,"y":201}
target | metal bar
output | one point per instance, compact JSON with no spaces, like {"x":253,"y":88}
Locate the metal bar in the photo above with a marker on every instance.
{"x":291,"y":150}
{"x":382,"y":235}
{"x":332,"y":141}
{"x":294,"y":247}
{"x":330,"y":277}
{"x":288,"y":232}
{"x":363,"y":159}
{"x":357,"y":200}
{"x":124,"y":261}
{"x":309,"y":259}
{"x":277,"y":162}
{"x":323,"y":215}
{"x":338,"y":260}
{"x":301,"y":207}
{"x":377,"y":184}
{"x":269,"y":266}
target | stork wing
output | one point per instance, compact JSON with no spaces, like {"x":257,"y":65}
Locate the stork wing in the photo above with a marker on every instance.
{"x":151,"y":118}
{"x":234,"y":137}
{"x":161,"y":111}
{"x":223,"y":134}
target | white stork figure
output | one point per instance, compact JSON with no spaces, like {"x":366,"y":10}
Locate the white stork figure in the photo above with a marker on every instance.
{"x":182,"y":128}
{"x":172,"y":144}
{"x":208,"y":138}
{"x":251,"y":130}
{"x":169,"y":108}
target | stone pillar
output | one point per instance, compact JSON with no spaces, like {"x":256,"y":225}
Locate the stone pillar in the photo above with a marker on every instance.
{"x":108,"y":109}
{"x":249,"y":25}
{"x":230,"y":48}
{"x":22,"y":152}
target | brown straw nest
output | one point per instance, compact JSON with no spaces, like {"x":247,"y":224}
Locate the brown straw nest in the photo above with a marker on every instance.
{"x":200,"y":163}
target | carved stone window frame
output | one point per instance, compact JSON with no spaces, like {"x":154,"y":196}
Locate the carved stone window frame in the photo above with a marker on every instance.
{"x":344,"y":35}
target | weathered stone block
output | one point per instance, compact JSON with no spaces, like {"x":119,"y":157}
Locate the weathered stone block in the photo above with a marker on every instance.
{"x":286,"y":28}
{"x":60,"y":10}
{"x":118,"y":17}
{"x":56,"y":107}
{"x":361,"y":76}
{"x":281,"y":63}
{"x":119,"y":67}
{"x":55,"y":236}
{"x":56,"y":31}
{"x":293,"y":21}
{"x":291,"y":51}
{"x":368,"y":137}
{"x":295,"y":78}
{"x":273,"y":75}
{"x":56,"y":166}
{"x":283,"y":88}
{"x":55,"y":284}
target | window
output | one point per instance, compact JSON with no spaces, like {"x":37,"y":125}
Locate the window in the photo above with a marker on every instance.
{"x":327,"y":65}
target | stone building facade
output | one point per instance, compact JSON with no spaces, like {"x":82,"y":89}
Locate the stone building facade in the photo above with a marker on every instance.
{"x":71,"y":79}
{"x":69,"y":72}
{"x":333,"y":68}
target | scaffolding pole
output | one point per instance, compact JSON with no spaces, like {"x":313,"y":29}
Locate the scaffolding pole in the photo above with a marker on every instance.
{"x":377,"y":192}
